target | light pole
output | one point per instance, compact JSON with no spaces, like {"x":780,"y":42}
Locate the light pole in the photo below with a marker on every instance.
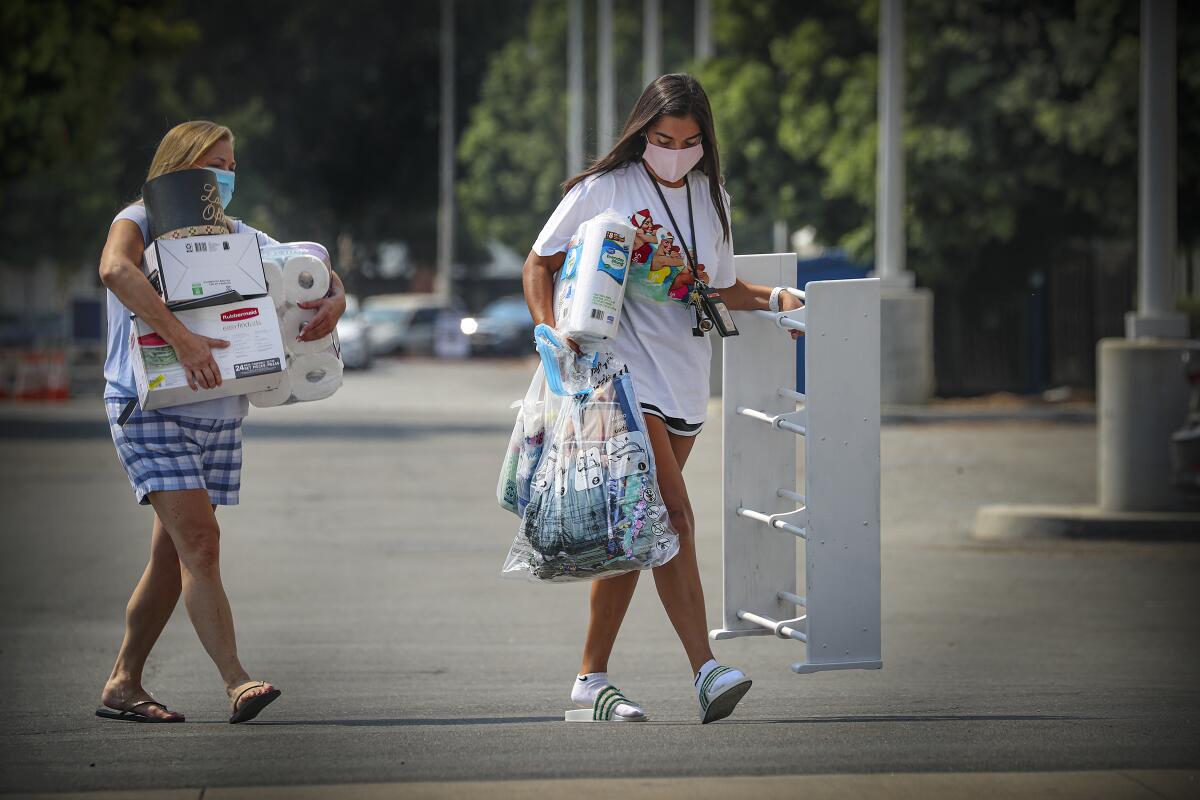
{"x":1143,"y":397}
{"x":575,"y":87}
{"x":703,"y":28}
{"x":906,"y":312}
{"x":889,"y":171}
{"x":605,"y":99}
{"x":445,"y":237}
{"x":651,"y":40}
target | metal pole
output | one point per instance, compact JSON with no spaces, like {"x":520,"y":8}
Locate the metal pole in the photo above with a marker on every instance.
{"x":889,"y":176}
{"x":651,"y":40}
{"x":1156,"y":315}
{"x":604,"y":77}
{"x":575,"y":88}
{"x":703,"y":27}
{"x":445,"y":243}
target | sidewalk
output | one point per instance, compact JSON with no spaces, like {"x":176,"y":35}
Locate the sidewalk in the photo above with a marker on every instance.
{"x":1131,"y":784}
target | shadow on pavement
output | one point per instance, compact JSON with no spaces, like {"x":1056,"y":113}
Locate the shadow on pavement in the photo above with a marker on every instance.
{"x":920,"y":718}
{"x":11,"y":429}
{"x":416,"y":721}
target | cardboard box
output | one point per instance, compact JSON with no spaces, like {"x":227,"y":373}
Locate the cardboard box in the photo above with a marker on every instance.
{"x":205,"y":270}
{"x":254,"y":361}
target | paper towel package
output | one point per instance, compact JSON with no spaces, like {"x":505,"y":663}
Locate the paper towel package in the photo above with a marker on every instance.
{"x":201,"y":269}
{"x":591,"y":283}
{"x":254,"y":361}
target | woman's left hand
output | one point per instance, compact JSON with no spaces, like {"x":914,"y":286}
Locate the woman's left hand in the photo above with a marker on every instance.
{"x":789,"y":302}
{"x":329,"y":310}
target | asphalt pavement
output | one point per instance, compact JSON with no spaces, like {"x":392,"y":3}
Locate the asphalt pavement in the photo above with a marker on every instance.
{"x":363,"y":567}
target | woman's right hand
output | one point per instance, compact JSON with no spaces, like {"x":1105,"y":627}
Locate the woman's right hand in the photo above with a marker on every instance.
{"x":195,"y":355}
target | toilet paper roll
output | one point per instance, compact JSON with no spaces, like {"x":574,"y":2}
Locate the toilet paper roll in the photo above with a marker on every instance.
{"x":274,"y":272}
{"x":305,"y":278}
{"x":278,"y":396}
{"x":315,"y":376}
{"x":591,"y":285}
{"x":293,"y":321}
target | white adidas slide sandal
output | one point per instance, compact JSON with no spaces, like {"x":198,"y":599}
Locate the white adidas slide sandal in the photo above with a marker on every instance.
{"x":721,"y":705}
{"x":604,"y":709}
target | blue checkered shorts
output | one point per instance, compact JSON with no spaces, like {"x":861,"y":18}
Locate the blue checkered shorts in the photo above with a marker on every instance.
{"x":163,"y":453}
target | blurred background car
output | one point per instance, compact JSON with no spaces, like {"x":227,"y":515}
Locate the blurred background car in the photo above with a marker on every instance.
{"x":353,"y":332}
{"x":504,"y":327}
{"x":404,"y":323}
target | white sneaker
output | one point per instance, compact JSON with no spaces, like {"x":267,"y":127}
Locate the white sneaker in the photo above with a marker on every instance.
{"x":720,"y":692}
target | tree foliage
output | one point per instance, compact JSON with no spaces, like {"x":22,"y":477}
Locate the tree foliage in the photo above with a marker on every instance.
{"x":334,"y":106}
{"x":513,"y":151}
{"x":1021,"y":124}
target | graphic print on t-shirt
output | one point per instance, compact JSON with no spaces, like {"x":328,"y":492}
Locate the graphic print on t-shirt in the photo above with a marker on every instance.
{"x":659,"y":270}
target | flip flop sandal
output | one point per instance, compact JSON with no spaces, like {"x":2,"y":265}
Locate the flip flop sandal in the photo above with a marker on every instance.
{"x":603,"y":709}
{"x":129,"y":715}
{"x":721,"y":705}
{"x":254,"y":706}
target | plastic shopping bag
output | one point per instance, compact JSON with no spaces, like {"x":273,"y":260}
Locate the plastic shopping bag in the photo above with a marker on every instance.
{"x":594,"y":508}
{"x":525,"y":445}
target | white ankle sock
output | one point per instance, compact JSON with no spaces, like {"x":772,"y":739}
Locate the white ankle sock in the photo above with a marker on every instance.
{"x":732,"y":676}
{"x":586,"y":687}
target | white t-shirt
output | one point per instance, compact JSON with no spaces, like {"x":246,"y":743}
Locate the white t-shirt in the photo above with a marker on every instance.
{"x":118,"y":369}
{"x":669,"y":365}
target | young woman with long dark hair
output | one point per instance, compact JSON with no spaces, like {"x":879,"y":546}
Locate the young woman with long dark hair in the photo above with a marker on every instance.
{"x":664,"y":175}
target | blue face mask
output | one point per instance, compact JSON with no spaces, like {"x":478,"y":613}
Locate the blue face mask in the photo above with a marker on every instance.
{"x":225,"y":181}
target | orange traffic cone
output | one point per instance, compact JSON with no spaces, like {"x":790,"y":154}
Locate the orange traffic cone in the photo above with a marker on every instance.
{"x":31,"y":377}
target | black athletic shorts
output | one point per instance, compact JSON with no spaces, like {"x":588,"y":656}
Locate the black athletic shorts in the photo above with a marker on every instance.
{"x":674,"y":425}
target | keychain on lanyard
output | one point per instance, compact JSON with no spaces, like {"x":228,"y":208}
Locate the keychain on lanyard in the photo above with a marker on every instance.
{"x":711,"y":310}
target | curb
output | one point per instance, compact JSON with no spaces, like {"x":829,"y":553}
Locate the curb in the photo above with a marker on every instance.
{"x":1048,"y":522}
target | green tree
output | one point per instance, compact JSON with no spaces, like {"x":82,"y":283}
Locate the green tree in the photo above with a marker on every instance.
{"x":513,"y":152}
{"x":62,"y":66}
{"x":1021,"y":125}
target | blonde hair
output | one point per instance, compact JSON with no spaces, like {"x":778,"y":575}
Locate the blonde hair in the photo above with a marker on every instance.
{"x":184,"y":145}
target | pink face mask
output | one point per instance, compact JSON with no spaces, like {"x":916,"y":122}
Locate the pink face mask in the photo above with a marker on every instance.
{"x":672,"y":165}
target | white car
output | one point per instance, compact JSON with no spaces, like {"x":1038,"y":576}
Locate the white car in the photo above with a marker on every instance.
{"x":353,"y":332}
{"x":403,"y":323}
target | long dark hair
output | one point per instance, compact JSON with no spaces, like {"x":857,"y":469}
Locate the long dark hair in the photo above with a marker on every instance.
{"x":676,"y":95}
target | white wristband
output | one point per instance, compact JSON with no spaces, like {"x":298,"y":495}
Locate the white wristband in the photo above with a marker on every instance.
{"x":773,"y":302}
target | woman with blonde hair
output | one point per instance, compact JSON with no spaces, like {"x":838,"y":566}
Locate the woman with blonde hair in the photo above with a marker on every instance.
{"x":184,"y":460}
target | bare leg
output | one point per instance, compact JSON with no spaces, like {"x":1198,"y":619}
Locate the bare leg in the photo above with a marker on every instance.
{"x":609,"y":602}
{"x":190,"y":521}
{"x":678,"y":581}
{"x":153,"y":600}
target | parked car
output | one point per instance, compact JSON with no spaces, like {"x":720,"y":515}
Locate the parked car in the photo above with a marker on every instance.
{"x":504,"y":327}
{"x":403,"y":323}
{"x":353,"y":332}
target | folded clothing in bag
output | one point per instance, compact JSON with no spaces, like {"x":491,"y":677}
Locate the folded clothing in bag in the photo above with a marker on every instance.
{"x":594,"y":508}
{"x":591,"y":284}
